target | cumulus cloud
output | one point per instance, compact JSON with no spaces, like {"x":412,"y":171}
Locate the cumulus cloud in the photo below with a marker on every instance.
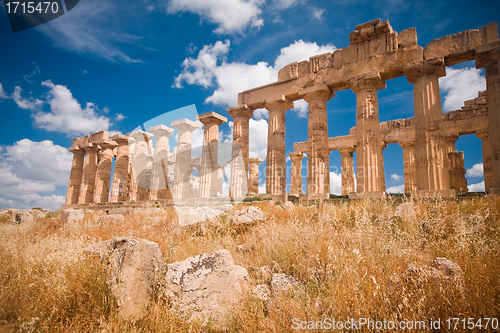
{"x":479,"y":187}
{"x":258,"y":138}
{"x":335,"y":183}
{"x":231,"y":16}
{"x":28,"y":103}
{"x":475,"y":171}
{"x":67,"y":115}
{"x":396,"y":189}
{"x":396,"y":177}
{"x":461,"y":85}
{"x":119,"y":117}
{"x":317,"y":13}
{"x":210,"y":69}
{"x":261,"y":114}
{"x":3,"y":95}
{"x":30,"y":173}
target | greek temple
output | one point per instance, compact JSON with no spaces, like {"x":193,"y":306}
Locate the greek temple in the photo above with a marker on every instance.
{"x":146,"y":170}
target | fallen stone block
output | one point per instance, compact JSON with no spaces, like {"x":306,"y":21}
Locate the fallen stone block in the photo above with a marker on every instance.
{"x":72,"y":215}
{"x":248,"y":215}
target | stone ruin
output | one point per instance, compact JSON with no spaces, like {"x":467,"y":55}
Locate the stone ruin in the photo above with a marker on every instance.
{"x":432,"y":166}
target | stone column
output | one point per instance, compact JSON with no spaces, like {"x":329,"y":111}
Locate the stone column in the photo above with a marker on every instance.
{"x":141,"y":163}
{"x":75,"y":177}
{"x":183,"y":164}
{"x":488,"y":57}
{"x":103,"y":174}
{"x":253,"y":178}
{"x":239,"y":156}
{"x":430,"y":147}
{"x":89,"y":174}
{"x":450,"y":140}
{"x":209,"y":170}
{"x":370,"y":164}
{"x":276,"y":158}
{"x":457,"y":172}
{"x":132,"y":184}
{"x":410,"y":167}
{"x":159,"y":181}
{"x":121,"y":173}
{"x":487,"y":167}
{"x":296,"y":173}
{"x":347,"y":169}
{"x":318,"y":152}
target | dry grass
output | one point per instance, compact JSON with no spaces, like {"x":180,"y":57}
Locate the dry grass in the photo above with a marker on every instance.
{"x":347,"y":265}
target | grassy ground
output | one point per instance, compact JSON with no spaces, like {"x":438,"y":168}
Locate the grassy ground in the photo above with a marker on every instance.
{"x":351,"y":265}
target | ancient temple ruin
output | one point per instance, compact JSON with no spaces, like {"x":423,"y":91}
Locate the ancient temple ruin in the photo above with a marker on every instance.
{"x":432,"y":166}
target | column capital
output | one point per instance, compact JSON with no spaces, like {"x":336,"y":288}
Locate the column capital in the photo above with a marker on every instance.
{"x":347,"y":149}
{"x":255,"y":161}
{"x":107,"y":144}
{"x":320,"y":92}
{"x":368,"y":81}
{"x":406,"y":142}
{"x":452,"y":137}
{"x":120,"y":139}
{"x":297,"y":155}
{"x":161,"y":131}
{"x":184,"y":125}
{"x":487,"y":53}
{"x":141,"y":136}
{"x":383,"y":144}
{"x":91,"y":147}
{"x":483,"y":134}
{"x":432,"y":67}
{"x":278,"y":102}
{"x":77,"y":150}
{"x":240,"y":111}
{"x":211,"y":118}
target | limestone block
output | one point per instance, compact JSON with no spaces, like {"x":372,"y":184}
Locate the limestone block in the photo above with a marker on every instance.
{"x":134,"y":267}
{"x":377,"y":46}
{"x":349,"y":53}
{"x":407,"y":38}
{"x":205,"y":286}
{"x":383,"y":28}
{"x":249,"y":215}
{"x":304,"y":68}
{"x":72,"y":215}
{"x":337,"y":59}
{"x":391,"y":42}
{"x":319,"y":62}
{"x":282,"y":283}
{"x":288,"y":72}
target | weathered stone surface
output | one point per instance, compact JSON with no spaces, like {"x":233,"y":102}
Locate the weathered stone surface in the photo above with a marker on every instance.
{"x":248,"y":215}
{"x":444,"y":273}
{"x":72,"y":215}
{"x":16,"y":216}
{"x":262,"y":292}
{"x":135,"y":268}
{"x":282,"y":283}
{"x":193,"y":215}
{"x":407,"y":39}
{"x":206,"y":285}
{"x":289,"y":206}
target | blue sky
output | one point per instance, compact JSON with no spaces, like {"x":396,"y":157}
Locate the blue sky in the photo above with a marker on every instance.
{"x":115,"y":65}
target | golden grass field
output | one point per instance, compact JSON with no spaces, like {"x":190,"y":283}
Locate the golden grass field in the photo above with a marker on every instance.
{"x":347,"y":265}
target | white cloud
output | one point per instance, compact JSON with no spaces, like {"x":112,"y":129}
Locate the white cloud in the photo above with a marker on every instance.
{"x":30,"y":172}
{"x":284,"y":4}
{"x":96,"y":27}
{"x":261,"y":114}
{"x":301,"y":107}
{"x":335,"y":183}
{"x":396,"y":177}
{"x":475,"y":171}
{"x":36,"y":71}
{"x":479,"y":187}
{"x":3,"y":95}
{"x":461,"y":85}
{"x":29,"y":103}
{"x":317,"y":13}
{"x":258,"y":139}
{"x":231,"y":16}
{"x":396,"y":189}
{"x":211,"y":70}
{"x":119,"y":117}
{"x":67,"y":115}
{"x":262,"y":188}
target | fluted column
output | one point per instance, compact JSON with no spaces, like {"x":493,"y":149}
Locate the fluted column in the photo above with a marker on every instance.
{"x":120,"y":175}
{"x":296,"y":173}
{"x":457,"y":172}
{"x":410,"y":167}
{"x":253,"y":178}
{"x":239,"y":157}
{"x":488,"y":57}
{"x":141,"y":163}
{"x":318,"y":153}
{"x":430,"y":147}
{"x":209,"y":170}
{"x":75,"y":177}
{"x":132,"y":184}
{"x":183,"y":164}
{"x":369,"y":158}
{"x":487,"y":167}
{"x":276,"y":148}
{"x":103,"y":174}
{"x":89,"y":174}
{"x":347,"y":169}
{"x":159,"y":182}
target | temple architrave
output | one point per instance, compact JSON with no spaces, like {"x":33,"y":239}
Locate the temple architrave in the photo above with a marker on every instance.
{"x":432,"y":166}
